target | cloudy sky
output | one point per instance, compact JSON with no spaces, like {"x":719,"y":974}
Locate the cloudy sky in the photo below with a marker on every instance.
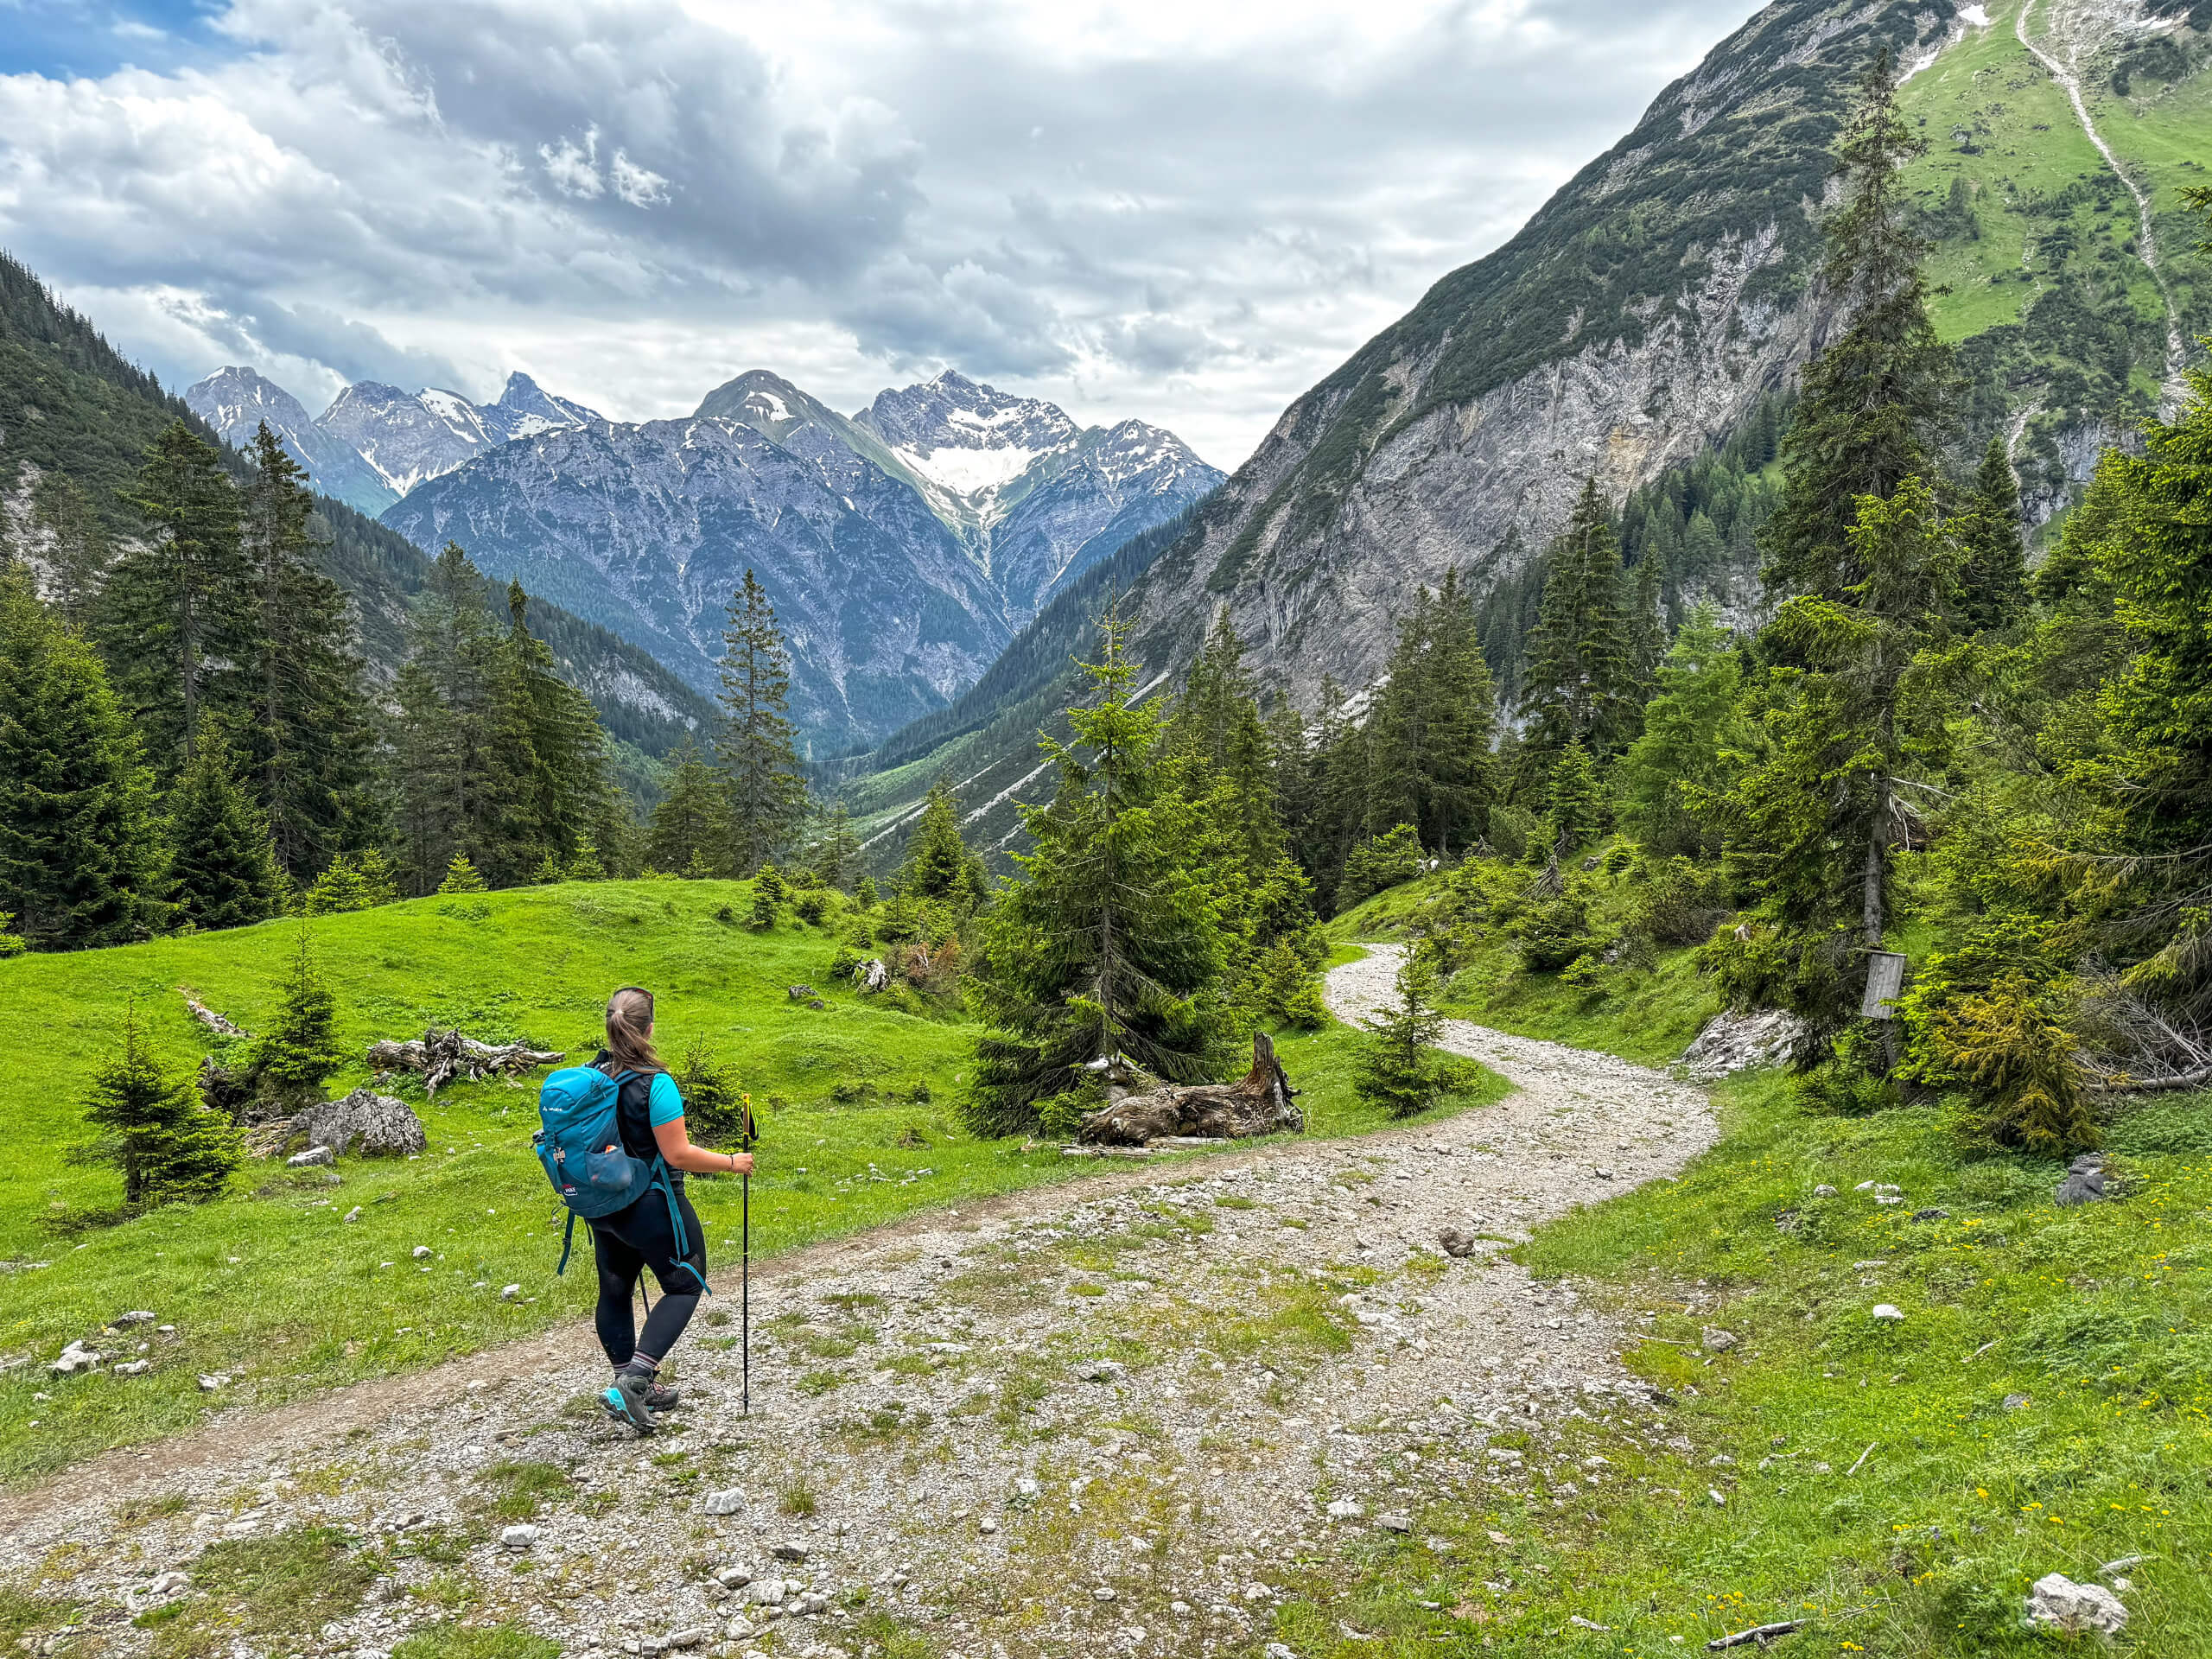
{"x":1187,"y":212}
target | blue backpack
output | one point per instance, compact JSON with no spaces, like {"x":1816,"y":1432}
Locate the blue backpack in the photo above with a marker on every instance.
{"x":579,"y":1142}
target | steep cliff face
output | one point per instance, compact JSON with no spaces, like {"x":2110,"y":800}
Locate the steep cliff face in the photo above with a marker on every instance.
{"x":1655,"y":301}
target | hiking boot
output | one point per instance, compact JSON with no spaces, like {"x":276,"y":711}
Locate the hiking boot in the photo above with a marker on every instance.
{"x":659,"y":1397}
{"x":627,"y":1399}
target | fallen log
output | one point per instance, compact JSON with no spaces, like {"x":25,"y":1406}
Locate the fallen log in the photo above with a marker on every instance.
{"x":1761,"y":1634}
{"x":207,"y":1016}
{"x":441,"y":1055}
{"x":1259,"y":1103}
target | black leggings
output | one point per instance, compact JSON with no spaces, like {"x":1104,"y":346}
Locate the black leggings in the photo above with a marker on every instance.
{"x":624,"y":1245}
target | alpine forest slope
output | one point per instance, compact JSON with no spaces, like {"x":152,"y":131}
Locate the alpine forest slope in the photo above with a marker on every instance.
{"x":1646,"y":329}
{"x":901,"y":548}
{"x":73,"y":409}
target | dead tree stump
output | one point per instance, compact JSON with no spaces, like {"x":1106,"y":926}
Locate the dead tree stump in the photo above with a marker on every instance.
{"x":1259,"y":1103}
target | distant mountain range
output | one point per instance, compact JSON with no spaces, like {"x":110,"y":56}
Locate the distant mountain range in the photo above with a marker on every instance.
{"x":376,"y":442}
{"x":903,"y":545}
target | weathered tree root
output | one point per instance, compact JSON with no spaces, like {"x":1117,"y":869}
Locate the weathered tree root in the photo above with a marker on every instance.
{"x":1259,"y":1103}
{"x":441,"y":1055}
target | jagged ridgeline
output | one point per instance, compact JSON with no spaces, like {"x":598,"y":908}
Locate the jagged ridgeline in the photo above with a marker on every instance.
{"x":1646,"y":326}
{"x":71,"y":407}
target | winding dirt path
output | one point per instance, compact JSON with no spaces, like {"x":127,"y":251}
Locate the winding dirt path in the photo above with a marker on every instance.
{"x":1128,"y":1417}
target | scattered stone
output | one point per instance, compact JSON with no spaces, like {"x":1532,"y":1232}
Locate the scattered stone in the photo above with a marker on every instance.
{"x":1718,"y":1340}
{"x":1888,"y":1311}
{"x":1277,"y":1651}
{"x":1824,"y":1191}
{"x":732,"y":1578}
{"x":519,"y":1537}
{"x":312,"y":1157}
{"x":1103,"y":1593}
{"x":988,"y":1524}
{"x":1932,"y":1214}
{"x":354,"y":1214}
{"x":136,"y":1316}
{"x":2057,"y":1603}
{"x":1580,"y":1623}
{"x":2014,"y":1402}
{"x":133,"y":1368}
{"x":1101,"y":1370}
{"x":799,"y":992}
{"x":687,"y":1638}
{"x":2121,"y":1566}
{"x":1456,"y":1243}
{"x":211,"y":1381}
{"x":790,"y":1550}
{"x":76,"y":1357}
{"x":1025,"y":1489}
{"x":1733,"y":1042}
{"x":1345,"y":1508}
{"x":2084,"y":1182}
{"x":729,"y":1501}
{"x":510,"y":1293}
{"x":1394,"y":1522}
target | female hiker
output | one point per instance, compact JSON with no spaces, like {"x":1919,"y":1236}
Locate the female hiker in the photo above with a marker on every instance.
{"x":649,"y":1116}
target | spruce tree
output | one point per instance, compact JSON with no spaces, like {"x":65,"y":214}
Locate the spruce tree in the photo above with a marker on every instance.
{"x":462,"y":876}
{"x":78,"y":846}
{"x":1578,"y":807}
{"x":170,"y":1148}
{"x":760,"y":761}
{"x":307,"y":749}
{"x":938,"y":864}
{"x":836,"y":857}
{"x":298,"y":1053}
{"x":1398,"y":1067}
{"x":1993,"y":581}
{"x":1669,"y":779}
{"x":1848,"y":730}
{"x":223,"y":872}
{"x":549,"y":754}
{"x":691,"y":823}
{"x":175,"y":617}
{"x":1106,"y":945}
{"x":448,"y":784}
{"x":1647,"y":628}
{"x":1873,"y":399}
{"x":1581,"y":681}
{"x":75,"y":551}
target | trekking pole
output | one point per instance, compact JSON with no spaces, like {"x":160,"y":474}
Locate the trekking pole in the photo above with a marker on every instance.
{"x":746,"y":1135}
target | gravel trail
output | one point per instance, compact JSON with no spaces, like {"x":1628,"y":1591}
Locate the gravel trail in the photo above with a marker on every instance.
{"x":1128,"y":1418}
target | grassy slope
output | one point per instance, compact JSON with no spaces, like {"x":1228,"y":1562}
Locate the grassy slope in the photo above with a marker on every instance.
{"x":2090,"y":1321}
{"x":272,"y":1284}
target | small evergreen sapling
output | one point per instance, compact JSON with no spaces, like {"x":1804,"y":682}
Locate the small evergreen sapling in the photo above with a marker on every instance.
{"x":462,"y":876}
{"x":299,"y":1052}
{"x":169,"y":1147}
{"x":1398,"y":1068}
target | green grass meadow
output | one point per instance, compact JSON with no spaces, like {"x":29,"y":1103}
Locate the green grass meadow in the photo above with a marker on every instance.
{"x":272,"y":1287}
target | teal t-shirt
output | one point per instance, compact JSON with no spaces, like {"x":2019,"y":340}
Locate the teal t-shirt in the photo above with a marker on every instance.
{"x":666,"y":1104}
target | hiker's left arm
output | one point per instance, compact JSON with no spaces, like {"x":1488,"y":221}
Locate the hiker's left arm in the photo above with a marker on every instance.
{"x":675,"y":1143}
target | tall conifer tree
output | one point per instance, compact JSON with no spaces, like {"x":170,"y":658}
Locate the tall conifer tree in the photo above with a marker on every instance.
{"x":691,"y":825}
{"x":1582,"y":680}
{"x":175,"y":617}
{"x":1873,"y":399}
{"x":78,"y":842}
{"x":223,"y":871}
{"x":1106,"y":946}
{"x":448,"y":790}
{"x":306,"y":748}
{"x":759,"y":758}
{"x":1992,"y":582}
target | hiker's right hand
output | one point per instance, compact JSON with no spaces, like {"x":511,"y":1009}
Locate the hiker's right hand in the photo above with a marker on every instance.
{"x":741,"y":1163}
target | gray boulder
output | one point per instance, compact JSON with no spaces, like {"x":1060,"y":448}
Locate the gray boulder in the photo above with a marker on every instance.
{"x":1733,"y":1042}
{"x":2056,"y":1602}
{"x":383,"y":1127}
{"x":2084,"y":1182}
